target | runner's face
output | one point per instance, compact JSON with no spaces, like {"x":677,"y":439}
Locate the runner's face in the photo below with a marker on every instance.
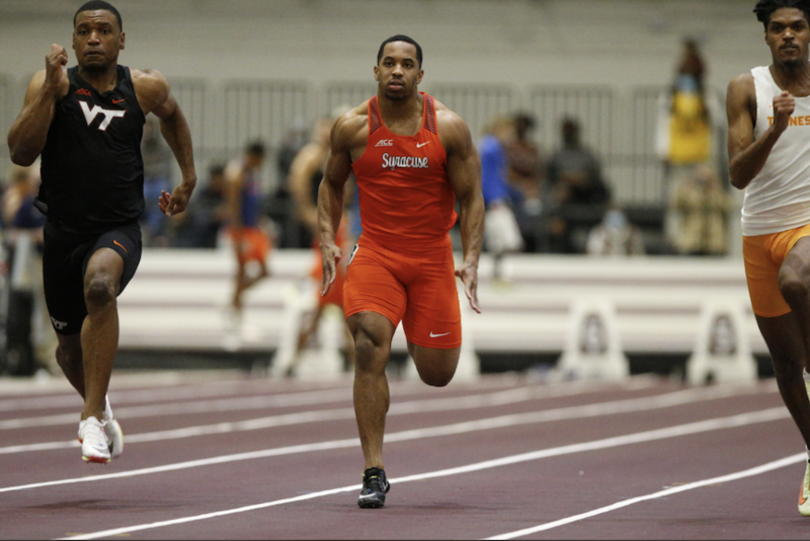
{"x":97,"y":39}
{"x":398,"y":72}
{"x":787,"y":35}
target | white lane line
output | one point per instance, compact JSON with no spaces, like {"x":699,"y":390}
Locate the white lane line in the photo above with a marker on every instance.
{"x":709,"y":425}
{"x":509,"y":396}
{"x":213,"y":389}
{"x":420,"y":406}
{"x":764,"y":468}
{"x":593,"y":410}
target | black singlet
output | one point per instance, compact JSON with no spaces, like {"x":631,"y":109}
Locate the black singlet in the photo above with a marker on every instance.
{"x":92,"y":169}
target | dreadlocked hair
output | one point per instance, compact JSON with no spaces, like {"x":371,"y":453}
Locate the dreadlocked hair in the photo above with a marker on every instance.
{"x":765,"y":8}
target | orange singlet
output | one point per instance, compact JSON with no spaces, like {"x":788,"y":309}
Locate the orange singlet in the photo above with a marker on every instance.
{"x":403,"y":266}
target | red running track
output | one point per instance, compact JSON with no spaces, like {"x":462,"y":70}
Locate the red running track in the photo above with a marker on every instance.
{"x":224,"y":456}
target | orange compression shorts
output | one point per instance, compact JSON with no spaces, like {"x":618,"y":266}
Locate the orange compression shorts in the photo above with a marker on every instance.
{"x":763,"y":256}
{"x":418,"y":289}
{"x":255,"y":244}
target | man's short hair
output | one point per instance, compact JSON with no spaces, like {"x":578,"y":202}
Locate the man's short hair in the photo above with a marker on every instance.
{"x":765,"y":8}
{"x":96,"y":5}
{"x":255,"y":148}
{"x":406,"y":39}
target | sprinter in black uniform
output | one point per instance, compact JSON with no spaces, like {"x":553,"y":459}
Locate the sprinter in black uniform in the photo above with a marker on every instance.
{"x":87,"y":123}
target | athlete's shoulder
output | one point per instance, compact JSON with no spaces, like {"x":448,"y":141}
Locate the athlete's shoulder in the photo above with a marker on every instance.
{"x":741,"y":90}
{"x":350,"y":127}
{"x":453,"y":130}
{"x":151,"y":86}
{"x":745,"y":79}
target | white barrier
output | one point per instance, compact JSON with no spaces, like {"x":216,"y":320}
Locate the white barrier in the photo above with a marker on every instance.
{"x":722,"y":352}
{"x":593,"y":347}
{"x":175,"y":300}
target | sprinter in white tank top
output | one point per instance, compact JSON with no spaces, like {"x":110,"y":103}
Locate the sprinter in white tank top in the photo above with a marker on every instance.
{"x":769,"y":151}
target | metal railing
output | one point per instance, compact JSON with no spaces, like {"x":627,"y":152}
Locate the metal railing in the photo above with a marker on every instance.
{"x":619,"y":127}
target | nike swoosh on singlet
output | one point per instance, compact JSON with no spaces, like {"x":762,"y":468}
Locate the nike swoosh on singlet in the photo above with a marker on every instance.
{"x":119,"y":101}
{"x":420,"y":145}
{"x":121,"y":245}
{"x":438,"y":335}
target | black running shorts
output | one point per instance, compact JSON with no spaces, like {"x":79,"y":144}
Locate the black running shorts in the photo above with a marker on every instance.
{"x":64,"y":264}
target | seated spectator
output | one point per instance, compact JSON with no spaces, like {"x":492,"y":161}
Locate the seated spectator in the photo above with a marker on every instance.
{"x":526,"y":173}
{"x":157,"y":177}
{"x":200,"y":225}
{"x":700,"y":207}
{"x":615,"y":236}
{"x":576,"y":192}
{"x":501,"y":232}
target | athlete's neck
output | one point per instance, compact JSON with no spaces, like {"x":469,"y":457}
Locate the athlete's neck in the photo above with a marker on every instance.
{"x":103,"y":80}
{"x":795,"y":78}
{"x":402,"y":117}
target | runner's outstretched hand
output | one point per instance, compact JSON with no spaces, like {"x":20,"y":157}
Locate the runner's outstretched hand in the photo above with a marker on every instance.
{"x":175,"y":202}
{"x":469,"y":276}
{"x":330,"y":256}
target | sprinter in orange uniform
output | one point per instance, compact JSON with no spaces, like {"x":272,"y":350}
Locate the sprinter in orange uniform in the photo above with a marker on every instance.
{"x":412,"y":158}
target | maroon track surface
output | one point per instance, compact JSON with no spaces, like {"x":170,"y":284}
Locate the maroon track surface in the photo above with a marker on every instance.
{"x":491,"y":500}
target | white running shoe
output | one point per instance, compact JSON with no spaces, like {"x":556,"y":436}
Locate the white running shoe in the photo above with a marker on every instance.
{"x":804,"y":493}
{"x":95,"y":445}
{"x":113,"y":431}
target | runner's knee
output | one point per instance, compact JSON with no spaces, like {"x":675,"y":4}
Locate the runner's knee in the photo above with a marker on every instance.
{"x":369,"y":353}
{"x":793,"y":285}
{"x":68,"y":358}
{"x":99,"y":291}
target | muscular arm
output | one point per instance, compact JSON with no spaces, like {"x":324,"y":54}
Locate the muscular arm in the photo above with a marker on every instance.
{"x":154,"y":96}
{"x":29,"y":133}
{"x":747,"y":156}
{"x":464,"y":174}
{"x":303,"y":167}
{"x":330,"y":193}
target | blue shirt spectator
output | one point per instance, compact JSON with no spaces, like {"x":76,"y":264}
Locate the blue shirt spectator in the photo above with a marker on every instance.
{"x":494,"y":170}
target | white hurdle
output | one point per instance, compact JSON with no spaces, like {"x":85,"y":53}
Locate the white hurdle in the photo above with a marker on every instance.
{"x":325,"y":362}
{"x":593,"y":349}
{"x":722,"y":352}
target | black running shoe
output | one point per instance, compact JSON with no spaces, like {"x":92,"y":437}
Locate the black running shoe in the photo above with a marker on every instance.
{"x":375,"y":486}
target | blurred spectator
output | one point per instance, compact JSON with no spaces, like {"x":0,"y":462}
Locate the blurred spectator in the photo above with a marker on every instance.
{"x":17,"y":204}
{"x":200,"y":225}
{"x":157,"y":172}
{"x":295,"y":139}
{"x":615,"y":236}
{"x":279,"y":204}
{"x":700,"y":207}
{"x":526,"y":172}
{"x":684,"y":137}
{"x":576,"y":193}
{"x":30,"y":339}
{"x":501,"y":232}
